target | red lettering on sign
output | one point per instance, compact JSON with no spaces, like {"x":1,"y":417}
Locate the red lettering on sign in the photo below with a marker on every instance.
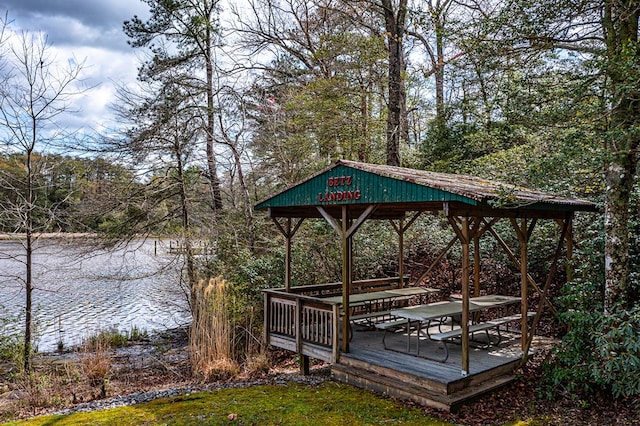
{"x":339,"y":181}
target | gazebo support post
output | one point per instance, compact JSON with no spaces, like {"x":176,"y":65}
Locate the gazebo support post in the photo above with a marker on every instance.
{"x":476,"y":262}
{"x":346,"y":276}
{"x":523,"y":233}
{"x":524,"y":285}
{"x":288,"y":231}
{"x":346,"y":230}
{"x":476,"y":266}
{"x":400,"y":229}
{"x":464,"y":234}
{"x":465,"y":295}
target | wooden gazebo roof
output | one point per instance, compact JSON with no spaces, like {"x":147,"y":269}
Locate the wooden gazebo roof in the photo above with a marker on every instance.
{"x":396,"y":190}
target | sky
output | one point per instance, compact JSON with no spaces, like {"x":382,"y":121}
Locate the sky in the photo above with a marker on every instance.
{"x":89,"y":31}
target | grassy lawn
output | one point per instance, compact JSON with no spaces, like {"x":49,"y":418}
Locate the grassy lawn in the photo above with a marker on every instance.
{"x":327,"y":404}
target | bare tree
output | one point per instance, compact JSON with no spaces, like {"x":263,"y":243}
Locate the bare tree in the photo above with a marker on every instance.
{"x":232,"y":121}
{"x":36,"y":93}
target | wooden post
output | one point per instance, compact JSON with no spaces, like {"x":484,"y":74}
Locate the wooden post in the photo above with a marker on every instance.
{"x":464,"y":234}
{"x":288,"y":232}
{"x":569,"y":237}
{"x":304,"y":364}
{"x":523,"y":234}
{"x":524,"y":287}
{"x":346,"y":230}
{"x":516,"y":262}
{"x":543,"y":298}
{"x":401,"y":228}
{"x":287,"y":256}
{"x":297,"y":324}
{"x":346,"y":277}
{"x":303,"y":359}
{"x":267,"y":318}
{"x":476,"y":265}
{"x":335,"y":345}
{"x":401,"y":253}
{"x":465,"y":295}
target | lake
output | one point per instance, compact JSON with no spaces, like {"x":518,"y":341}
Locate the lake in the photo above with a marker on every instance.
{"x":79,"y":291}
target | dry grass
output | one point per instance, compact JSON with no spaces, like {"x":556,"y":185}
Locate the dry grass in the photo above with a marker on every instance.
{"x":211,"y":337}
{"x":39,"y":390}
{"x":95,"y":362}
{"x":258,"y":363}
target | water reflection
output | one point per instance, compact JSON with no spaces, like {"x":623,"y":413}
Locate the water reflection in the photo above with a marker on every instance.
{"x":80,"y":291}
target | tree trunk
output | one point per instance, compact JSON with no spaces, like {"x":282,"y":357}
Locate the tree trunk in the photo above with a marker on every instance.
{"x":29,"y":266}
{"x":621,"y":29}
{"x":245,"y":197}
{"x":394,"y":25}
{"x":619,"y":182}
{"x":439,"y":67}
{"x":214,"y":182}
{"x":186,"y":234}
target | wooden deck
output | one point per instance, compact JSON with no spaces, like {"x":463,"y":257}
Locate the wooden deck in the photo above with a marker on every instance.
{"x":437,"y":384}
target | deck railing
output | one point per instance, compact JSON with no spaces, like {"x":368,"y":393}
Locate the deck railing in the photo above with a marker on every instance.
{"x":302,"y":324}
{"x":300,"y":321}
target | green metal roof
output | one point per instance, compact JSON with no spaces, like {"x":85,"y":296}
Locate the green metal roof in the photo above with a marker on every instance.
{"x":400,"y":189}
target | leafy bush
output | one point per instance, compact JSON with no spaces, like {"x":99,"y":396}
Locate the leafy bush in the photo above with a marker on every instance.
{"x":11,"y":341}
{"x":114,"y":338}
{"x":601,"y":352}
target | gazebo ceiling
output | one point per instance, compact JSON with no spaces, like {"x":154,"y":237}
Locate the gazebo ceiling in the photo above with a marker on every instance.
{"x":397,"y":190}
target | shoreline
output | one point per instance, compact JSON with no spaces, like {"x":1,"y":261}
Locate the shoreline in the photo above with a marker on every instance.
{"x":48,"y":235}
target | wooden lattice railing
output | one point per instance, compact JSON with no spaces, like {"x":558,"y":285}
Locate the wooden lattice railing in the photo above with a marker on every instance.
{"x":302,"y":324}
{"x":301,"y":321}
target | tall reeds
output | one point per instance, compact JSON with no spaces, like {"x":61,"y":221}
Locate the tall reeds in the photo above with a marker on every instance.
{"x":95,"y":361}
{"x":211,"y":335}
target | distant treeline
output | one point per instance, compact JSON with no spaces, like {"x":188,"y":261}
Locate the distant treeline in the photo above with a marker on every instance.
{"x":72,"y":194}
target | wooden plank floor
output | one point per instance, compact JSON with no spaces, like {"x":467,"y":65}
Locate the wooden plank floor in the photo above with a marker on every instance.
{"x":366,"y":346}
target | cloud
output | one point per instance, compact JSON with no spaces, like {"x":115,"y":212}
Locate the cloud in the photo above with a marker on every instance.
{"x":89,"y":32}
{"x":76,"y":22}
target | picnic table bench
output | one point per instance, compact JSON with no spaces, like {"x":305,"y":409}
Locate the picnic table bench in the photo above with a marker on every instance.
{"x":417,"y":317}
{"x":494,"y":324}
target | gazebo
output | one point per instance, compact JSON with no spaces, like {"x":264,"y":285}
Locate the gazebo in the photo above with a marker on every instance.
{"x":304,"y":319}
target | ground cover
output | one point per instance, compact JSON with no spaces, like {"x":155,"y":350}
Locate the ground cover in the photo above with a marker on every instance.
{"x":142,"y":376}
{"x":325,"y":404}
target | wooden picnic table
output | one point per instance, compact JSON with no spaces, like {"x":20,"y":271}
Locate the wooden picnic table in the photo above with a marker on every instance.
{"x":375,"y":306}
{"x":424,"y":314}
{"x":383,"y":295}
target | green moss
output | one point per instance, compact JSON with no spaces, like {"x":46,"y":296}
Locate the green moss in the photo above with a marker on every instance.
{"x":327,"y":405}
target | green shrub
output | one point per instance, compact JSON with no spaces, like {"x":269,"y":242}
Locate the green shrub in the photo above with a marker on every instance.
{"x":114,"y":338}
{"x":11,"y":341}
{"x":600,"y":352}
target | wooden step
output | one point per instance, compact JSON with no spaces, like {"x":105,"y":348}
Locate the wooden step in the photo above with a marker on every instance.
{"x":402,"y":388}
{"x":395,"y":366}
{"x":390,"y":386}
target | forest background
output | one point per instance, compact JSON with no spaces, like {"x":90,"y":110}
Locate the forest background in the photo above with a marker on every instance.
{"x":541,"y":94}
